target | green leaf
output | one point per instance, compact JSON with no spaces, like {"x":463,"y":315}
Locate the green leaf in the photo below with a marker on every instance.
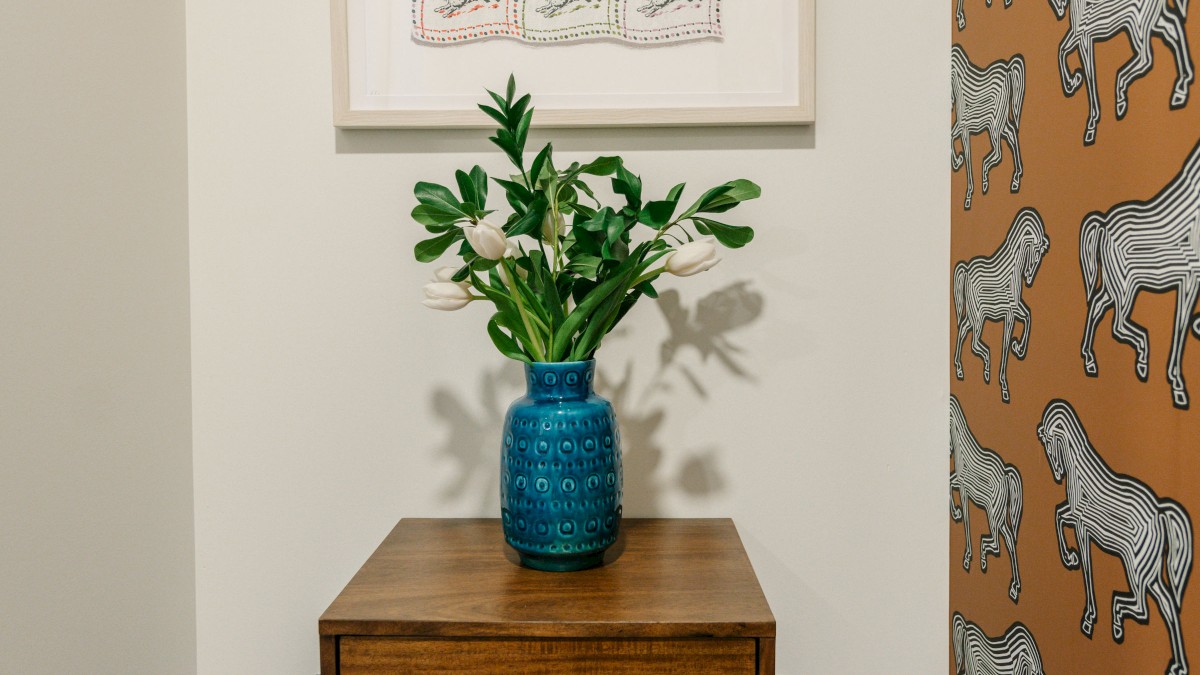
{"x":435,"y":215}
{"x":598,"y":327}
{"x":504,"y":304}
{"x":432,"y":249}
{"x":675,"y":193}
{"x":517,"y":111}
{"x":587,"y":190}
{"x":648,"y":289}
{"x":586,"y":266}
{"x":614,"y":227}
{"x":480,"y":179}
{"x":614,"y":250}
{"x":512,"y":88}
{"x":540,"y":162}
{"x":507,"y":345}
{"x":743,"y":190}
{"x":522,"y":131}
{"x":582,"y":288}
{"x":588,"y":306}
{"x":601,"y":166}
{"x":494,"y":114}
{"x":432,"y":194}
{"x":554,"y":303}
{"x":739,"y":191}
{"x":531,"y":222}
{"x":731,"y":236}
{"x":657,"y":214}
{"x":522,"y":193}
{"x":500,"y":102}
{"x":466,"y":188}
{"x":629,"y":186}
{"x":598,"y":223}
{"x":705,"y":199}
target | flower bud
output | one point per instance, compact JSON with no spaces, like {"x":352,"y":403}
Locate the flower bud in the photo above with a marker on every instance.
{"x":693,"y":258}
{"x":549,"y":230}
{"x":446,"y":274}
{"x":446,"y":296}
{"x":487,"y":239}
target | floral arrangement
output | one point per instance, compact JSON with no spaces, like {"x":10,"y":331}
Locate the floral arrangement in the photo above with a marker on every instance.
{"x":558,"y":289}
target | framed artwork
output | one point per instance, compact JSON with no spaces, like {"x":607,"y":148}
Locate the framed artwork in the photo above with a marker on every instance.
{"x":590,"y":63}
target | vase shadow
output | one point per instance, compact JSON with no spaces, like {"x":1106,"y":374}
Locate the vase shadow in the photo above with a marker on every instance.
{"x":699,"y":331}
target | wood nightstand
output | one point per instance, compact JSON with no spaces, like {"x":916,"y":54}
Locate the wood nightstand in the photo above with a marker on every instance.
{"x":674,"y":596}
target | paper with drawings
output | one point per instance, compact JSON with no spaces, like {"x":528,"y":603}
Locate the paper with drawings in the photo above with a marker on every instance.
{"x":553,"y":21}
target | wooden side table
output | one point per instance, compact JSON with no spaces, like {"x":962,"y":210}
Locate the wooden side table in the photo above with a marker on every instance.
{"x":447,"y":596}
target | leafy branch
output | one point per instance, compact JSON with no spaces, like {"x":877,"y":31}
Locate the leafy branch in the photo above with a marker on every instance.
{"x":563,"y":270}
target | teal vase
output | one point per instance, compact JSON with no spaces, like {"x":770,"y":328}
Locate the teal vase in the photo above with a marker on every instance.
{"x":560,"y":472}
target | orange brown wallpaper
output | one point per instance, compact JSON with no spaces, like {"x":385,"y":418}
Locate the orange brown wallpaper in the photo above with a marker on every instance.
{"x":1074,"y":364}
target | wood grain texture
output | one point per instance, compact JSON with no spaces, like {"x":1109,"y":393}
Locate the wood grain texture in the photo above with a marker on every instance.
{"x":329,"y":654}
{"x":372,"y":655}
{"x":804,"y":112}
{"x":454,"y":578}
{"x":766,"y":656}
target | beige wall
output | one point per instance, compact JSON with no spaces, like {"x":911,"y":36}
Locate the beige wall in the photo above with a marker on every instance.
{"x":96,"y":540}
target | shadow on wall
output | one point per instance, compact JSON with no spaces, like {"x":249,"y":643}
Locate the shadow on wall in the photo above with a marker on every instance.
{"x":472,"y":428}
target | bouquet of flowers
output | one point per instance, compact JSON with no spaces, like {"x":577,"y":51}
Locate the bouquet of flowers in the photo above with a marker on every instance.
{"x":563,"y":269}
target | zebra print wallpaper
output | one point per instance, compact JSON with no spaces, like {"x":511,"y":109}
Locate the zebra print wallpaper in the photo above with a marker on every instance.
{"x":1074,"y":465}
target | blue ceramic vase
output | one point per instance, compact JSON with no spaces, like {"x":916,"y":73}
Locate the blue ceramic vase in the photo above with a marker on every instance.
{"x":560,"y":471}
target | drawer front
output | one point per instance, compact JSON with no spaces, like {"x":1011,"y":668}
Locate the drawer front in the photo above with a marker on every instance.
{"x":376,"y":655}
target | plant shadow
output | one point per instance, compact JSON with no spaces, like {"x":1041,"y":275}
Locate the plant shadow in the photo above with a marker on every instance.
{"x":700,"y":332}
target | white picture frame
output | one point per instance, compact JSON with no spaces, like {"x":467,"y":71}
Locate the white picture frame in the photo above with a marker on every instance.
{"x":788,"y":100}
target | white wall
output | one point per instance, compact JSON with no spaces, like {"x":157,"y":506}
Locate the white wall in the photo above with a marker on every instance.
{"x":328,"y":403}
{"x":96,"y":556}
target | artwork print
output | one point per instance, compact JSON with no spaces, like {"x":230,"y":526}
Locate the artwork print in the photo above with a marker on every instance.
{"x":1149,"y":245}
{"x":1097,"y":467}
{"x":983,"y":478}
{"x":988,"y":288}
{"x":553,"y":21}
{"x":1014,"y":653}
{"x":1093,"y":21}
{"x":987,"y":99}
{"x":1125,"y":518}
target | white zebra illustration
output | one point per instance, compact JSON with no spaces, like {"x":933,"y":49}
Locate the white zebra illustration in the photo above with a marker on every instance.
{"x":1014,"y":653}
{"x":554,"y":8}
{"x":453,"y":7}
{"x":986,"y":99}
{"x":1152,"y":245}
{"x":962,"y":19}
{"x":655,"y":8}
{"x":1095,"y":21}
{"x":988,"y":288}
{"x":982,"y":477}
{"x":1124,"y":517}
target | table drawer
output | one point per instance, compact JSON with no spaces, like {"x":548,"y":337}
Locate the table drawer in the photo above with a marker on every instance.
{"x":376,"y":655}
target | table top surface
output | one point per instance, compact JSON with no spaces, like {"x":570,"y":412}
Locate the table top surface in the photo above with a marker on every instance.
{"x":457,"y":577}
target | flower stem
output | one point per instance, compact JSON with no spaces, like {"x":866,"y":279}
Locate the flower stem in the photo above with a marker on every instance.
{"x":648,"y":276}
{"x":534,"y":343}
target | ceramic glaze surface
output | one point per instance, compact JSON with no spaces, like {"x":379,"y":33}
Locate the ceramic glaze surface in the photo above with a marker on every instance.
{"x":560,"y":473}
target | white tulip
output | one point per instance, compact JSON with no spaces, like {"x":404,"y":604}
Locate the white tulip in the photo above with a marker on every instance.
{"x":446,"y":296}
{"x":487,"y":239}
{"x":549,"y":231}
{"x":693,"y":258}
{"x":446,"y":274}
